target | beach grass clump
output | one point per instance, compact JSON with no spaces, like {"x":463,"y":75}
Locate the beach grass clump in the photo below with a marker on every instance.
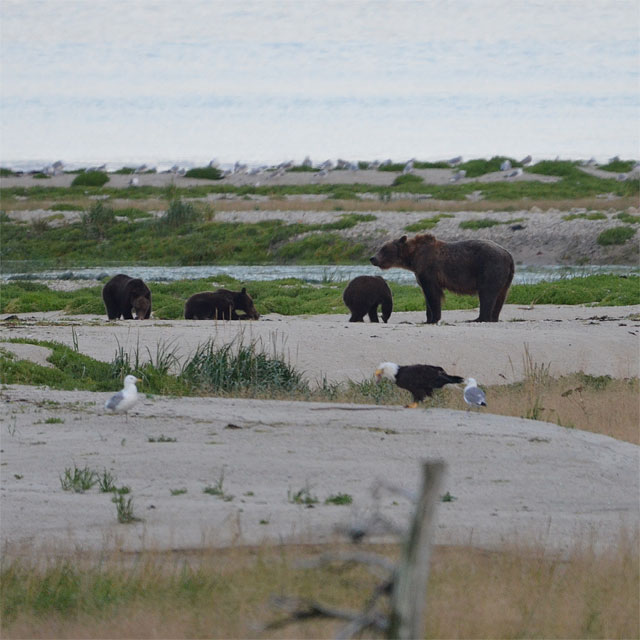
{"x":242,"y":367}
{"x":205,"y":173}
{"x":615,"y":235}
{"x":90,"y":179}
{"x":78,"y":480}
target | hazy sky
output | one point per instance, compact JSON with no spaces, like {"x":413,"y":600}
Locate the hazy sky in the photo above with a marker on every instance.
{"x":263,"y":81}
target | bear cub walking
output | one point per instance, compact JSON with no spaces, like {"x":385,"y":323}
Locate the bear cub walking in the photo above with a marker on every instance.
{"x":364,"y":294}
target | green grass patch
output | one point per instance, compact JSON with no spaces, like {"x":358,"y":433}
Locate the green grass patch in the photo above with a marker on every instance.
{"x":629,"y":218}
{"x":90,"y":179}
{"x":426,"y":224}
{"x":485,"y":223}
{"x":480,"y":166}
{"x":295,"y":297}
{"x":407,"y":179}
{"x":619,"y":166}
{"x":65,"y":206}
{"x":615,"y":235}
{"x":590,"y":215}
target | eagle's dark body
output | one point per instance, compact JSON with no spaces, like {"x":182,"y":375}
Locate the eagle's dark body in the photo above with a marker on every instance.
{"x":421,"y":379}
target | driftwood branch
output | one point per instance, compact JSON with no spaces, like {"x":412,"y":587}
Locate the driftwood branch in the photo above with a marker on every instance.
{"x":410,"y":589}
{"x":405,"y":584}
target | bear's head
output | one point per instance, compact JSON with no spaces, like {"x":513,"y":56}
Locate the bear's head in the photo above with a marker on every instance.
{"x":391,"y":254}
{"x":242,"y":302}
{"x":141,"y":306}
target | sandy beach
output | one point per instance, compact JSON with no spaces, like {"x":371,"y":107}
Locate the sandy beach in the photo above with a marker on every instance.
{"x":513,"y":479}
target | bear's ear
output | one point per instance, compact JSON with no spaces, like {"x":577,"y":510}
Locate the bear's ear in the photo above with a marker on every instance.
{"x":244,"y":290}
{"x":402,"y":240}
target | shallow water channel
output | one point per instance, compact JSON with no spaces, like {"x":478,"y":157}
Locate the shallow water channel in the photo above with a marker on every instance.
{"x":312,"y":273}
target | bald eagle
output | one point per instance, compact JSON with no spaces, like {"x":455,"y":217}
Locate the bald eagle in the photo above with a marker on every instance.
{"x":419,"y":379}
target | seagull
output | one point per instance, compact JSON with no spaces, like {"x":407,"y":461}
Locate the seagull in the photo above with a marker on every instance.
{"x":506,"y":165}
{"x":122,"y":401}
{"x":473,"y":395}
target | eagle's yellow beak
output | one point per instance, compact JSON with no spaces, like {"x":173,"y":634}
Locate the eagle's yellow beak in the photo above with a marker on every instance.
{"x":378,"y":374}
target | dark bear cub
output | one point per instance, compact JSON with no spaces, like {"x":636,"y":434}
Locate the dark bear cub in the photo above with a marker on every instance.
{"x":470,"y":267}
{"x":364,"y":294}
{"x":222,"y":304}
{"x":123,"y":294}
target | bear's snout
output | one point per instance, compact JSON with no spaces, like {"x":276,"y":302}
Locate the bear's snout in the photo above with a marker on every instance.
{"x":374,"y":261}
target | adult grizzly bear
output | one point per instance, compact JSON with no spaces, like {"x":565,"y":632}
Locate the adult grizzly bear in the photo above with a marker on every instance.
{"x":122,"y":294}
{"x":221,"y":305}
{"x":470,"y":266}
{"x":364,"y":294}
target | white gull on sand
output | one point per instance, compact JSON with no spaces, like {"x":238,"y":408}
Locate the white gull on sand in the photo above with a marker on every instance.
{"x":473,"y":395}
{"x":122,"y":401}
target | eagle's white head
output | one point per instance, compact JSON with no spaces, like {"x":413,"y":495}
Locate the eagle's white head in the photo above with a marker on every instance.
{"x":387,"y":370}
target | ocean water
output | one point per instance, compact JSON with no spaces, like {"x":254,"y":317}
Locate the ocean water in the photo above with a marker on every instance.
{"x":265,"y":81}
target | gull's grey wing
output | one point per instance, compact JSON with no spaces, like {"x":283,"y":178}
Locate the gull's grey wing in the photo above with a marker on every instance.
{"x":114,"y":400}
{"x":474,"y":395}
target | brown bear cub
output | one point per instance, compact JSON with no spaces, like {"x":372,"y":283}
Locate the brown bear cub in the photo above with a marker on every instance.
{"x":220,"y":305}
{"x":470,"y":267}
{"x":364,"y":294}
{"x":123,"y":294}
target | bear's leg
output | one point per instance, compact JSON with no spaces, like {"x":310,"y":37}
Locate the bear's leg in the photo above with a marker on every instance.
{"x":112,"y":309}
{"x":387,"y":308}
{"x":126,"y":312}
{"x":433,"y":298}
{"x":373,"y":313}
{"x":356,"y":318}
{"x":487,"y":301}
{"x":497,"y":305}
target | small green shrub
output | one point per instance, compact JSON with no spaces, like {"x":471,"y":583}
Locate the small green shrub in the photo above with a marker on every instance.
{"x":615,"y":235}
{"x":90,"y":179}
{"x":339,"y":499}
{"x":179,"y":213}
{"x":205,"y":173}
{"x":303,"y":496}
{"x":407,"y":179}
{"x":98,"y":219}
{"x":479,"y":224}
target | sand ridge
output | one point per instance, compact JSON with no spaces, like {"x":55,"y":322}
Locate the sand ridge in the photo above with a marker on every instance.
{"x":512,"y":479}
